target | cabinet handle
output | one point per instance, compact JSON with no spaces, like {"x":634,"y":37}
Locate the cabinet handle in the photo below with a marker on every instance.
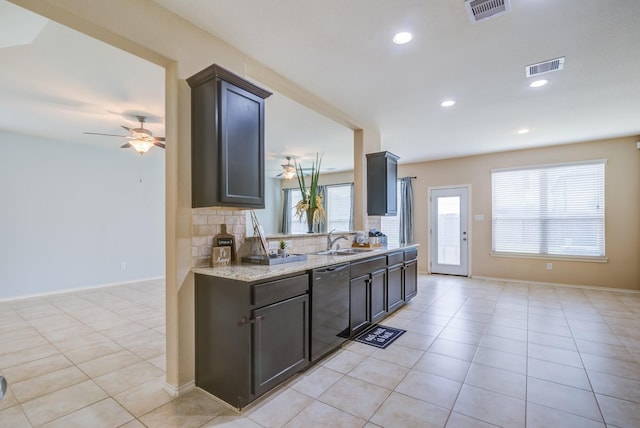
{"x":245,"y":320}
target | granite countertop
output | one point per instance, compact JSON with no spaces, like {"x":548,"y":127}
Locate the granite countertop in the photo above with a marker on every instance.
{"x":252,"y":272}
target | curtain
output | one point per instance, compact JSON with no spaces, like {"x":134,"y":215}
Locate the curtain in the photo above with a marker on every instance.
{"x":351,"y":216}
{"x":406,"y":211}
{"x":322,"y":191}
{"x":285,"y":227}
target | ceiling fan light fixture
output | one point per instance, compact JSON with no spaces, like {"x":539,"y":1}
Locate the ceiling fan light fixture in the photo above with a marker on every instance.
{"x":402,"y":38}
{"x":289,"y":172}
{"x":141,"y":146}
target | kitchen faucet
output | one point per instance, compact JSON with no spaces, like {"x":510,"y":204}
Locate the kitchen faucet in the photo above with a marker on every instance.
{"x":330,"y":241}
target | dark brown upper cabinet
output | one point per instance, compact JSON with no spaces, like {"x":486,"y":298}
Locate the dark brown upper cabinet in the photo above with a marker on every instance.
{"x":382,"y":177}
{"x":227,"y":140}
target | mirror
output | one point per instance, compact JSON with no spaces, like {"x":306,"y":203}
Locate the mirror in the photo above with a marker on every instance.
{"x":292,"y":129}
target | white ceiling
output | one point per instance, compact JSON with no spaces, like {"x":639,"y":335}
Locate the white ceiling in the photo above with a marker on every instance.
{"x":61,"y":83}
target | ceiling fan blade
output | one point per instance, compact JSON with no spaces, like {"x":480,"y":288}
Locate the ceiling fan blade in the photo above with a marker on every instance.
{"x":107,"y":135}
{"x":126,"y":146}
{"x":159,"y":138}
{"x":161,"y":145}
{"x":128,"y":129}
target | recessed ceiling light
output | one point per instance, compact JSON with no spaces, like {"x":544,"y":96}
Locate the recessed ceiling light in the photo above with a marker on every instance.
{"x":523,"y":131}
{"x":402,"y":38}
{"x":538,"y":83}
{"x":447,"y":103}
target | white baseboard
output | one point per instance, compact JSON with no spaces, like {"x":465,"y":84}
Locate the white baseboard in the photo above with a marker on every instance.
{"x":73,"y":290}
{"x":557,"y":284}
{"x":179,"y":390}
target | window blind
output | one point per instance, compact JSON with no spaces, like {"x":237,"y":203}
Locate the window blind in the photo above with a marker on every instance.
{"x":553,"y":210}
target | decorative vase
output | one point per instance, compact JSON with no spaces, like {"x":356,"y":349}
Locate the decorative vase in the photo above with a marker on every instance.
{"x":310,"y":213}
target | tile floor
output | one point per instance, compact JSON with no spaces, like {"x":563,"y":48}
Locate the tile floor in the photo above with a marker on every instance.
{"x":476,"y":354}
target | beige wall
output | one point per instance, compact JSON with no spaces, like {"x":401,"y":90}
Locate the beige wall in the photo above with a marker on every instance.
{"x":622,"y":209}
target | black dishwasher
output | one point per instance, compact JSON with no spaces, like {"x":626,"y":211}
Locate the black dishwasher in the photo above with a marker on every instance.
{"x":329,"y":309}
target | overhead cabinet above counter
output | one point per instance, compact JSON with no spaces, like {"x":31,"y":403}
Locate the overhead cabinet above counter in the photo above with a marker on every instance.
{"x":227,"y":140}
{"x":382,"y":176}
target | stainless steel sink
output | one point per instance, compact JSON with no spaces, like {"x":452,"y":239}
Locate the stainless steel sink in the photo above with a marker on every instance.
{"x":343,"y":252}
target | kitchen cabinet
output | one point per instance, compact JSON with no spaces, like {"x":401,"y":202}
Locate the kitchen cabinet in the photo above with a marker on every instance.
{"x":382,"y":177}
{"x":367,"y":292}
{"x":227,"y":140}
{"x":410,"y":274}
{"x":249,"y":336}
{"x":395,"y":289}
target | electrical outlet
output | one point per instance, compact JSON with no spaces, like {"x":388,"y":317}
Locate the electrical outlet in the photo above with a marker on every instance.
{"x":549,"y":266}
{"x":123,"y":265}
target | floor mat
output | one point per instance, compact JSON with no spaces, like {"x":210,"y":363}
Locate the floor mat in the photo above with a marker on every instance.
{"x":379,"y":336}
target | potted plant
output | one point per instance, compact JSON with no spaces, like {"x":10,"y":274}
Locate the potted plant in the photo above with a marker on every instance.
{"x":282,"y":248}
{"x":311,"y":202}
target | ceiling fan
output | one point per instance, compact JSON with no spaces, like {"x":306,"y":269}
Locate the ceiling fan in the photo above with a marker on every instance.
{"x":288,"y":170}
{"x":141,"y":139}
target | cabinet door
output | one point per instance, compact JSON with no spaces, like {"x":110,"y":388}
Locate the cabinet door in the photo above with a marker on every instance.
{"x":241,"y":136}
{"x":378,"y":294}
{"x":280,"y":342}
{"x":410,"y":279}
{"x":358,"y":304}
{"x":394,"y":287}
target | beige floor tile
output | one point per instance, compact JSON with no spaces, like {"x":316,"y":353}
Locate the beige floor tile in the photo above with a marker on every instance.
{"x":128,"y":377}
{"x":543,"y":417}
{"x":444,"y":366}
{"x":36,"y":368}
{"x":459,"y":335}
{"x":381,"y":373}
{"x":92,"y":351}
{"x":620,"y":368}
{"x":138,"y":338}
{"x":561,"y":397}
{"x":450,"y":348}
{"x":230,"y":419}
{"x":343,"y":360}
{"x":193,"y":409}
{"x":414,"y":340}
{"x":159,"y":361}
{"x":506,"y":331}
{"x":556,"y":355}
{"x":150,"y":349}
{"x":360,"y":348}
{"x":501,"y":360}
{"x":490,"y":407}
{"x":398,"y":354}
{"x":497,"y":380}
{"x":52,"y":406}
{"x":9,"y":399}
{"x":14,"y":358}
{"x":430,"y":388}
{"x":109,"y":363}
{"x":504,"y":344}
{"x":458,"y":420}
{"x":552,"y":340}
{"x":105,"y":413}
{"x":13,"y":417}
{"x":399,"y":410}
{"x":359,"y":398}
{"x":133,"y":424}
{"x":319,"y":415}
{"x":619,"y":413}
{"x":47,"y":383}
{"x":614,"y":386}
{"x":558,"y":373}
{"x":123,"y":330}
{"x":280,"y":408}
{"x":316,"y":381}
{"x":144,"y":398}
{"x":605,"y":350}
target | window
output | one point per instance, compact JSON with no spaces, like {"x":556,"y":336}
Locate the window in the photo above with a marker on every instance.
{"x":555,"y":210}
{"x":390,"y":225}
{"x":338,"y":205}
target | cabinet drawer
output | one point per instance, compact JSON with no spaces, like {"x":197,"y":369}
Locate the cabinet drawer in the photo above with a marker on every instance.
{"x":395,"y":258}
{"x":368,"y":266}
{"x":276,"y":291}
{"x":411,"y":254}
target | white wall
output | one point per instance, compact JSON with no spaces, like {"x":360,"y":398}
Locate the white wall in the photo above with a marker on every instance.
{"x":71,"y":214}
{"x":270,"y":216}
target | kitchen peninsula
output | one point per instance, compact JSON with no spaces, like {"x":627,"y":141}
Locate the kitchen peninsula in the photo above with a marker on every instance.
{"x":258,"y":325}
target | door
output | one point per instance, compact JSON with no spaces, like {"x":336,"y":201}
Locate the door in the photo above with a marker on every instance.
{"x":378,"y":294}
{"x":359,"y":305}
{"x":449,"y":231}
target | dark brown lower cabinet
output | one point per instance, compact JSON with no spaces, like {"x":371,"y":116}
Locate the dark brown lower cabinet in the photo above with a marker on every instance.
{"x":358,"y":303}
{"x":410,"y":279}
{"x":249,"y":336}
{"x":394,"y":287}
{"x":378,"y":294}
{"x":280,"y":342}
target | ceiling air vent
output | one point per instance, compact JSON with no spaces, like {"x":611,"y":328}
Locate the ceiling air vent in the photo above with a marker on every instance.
{"x":479,"y":10}
{"x":545,"y":67}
